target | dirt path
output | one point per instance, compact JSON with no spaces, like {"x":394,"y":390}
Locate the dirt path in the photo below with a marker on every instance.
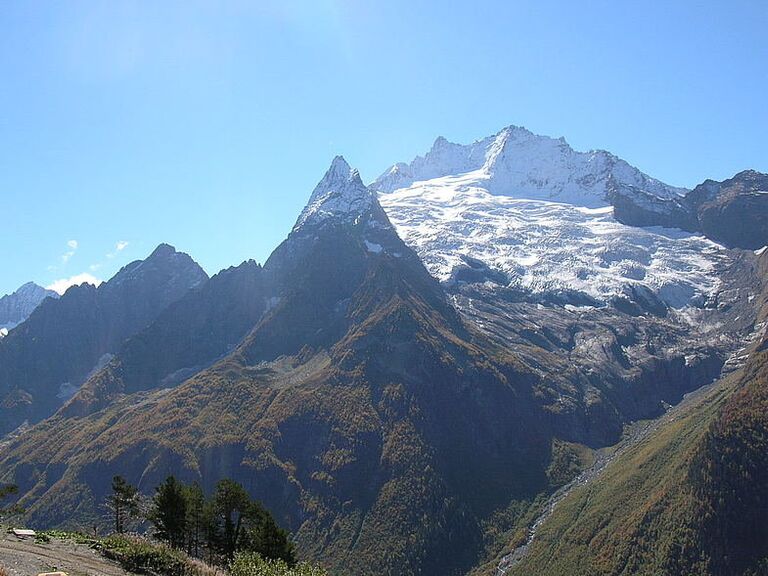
{"x":25,"y":558}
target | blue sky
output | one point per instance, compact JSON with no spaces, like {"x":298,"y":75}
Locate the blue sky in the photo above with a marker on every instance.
{"x":207,"y":124}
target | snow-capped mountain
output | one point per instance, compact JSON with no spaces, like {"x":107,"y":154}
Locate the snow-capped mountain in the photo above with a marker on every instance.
{"x":538,"y":214}
{"x":515,"y":162}
{"x":16,"y":307}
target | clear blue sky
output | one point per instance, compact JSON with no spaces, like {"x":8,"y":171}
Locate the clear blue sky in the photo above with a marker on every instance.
{"x":206,"y":124}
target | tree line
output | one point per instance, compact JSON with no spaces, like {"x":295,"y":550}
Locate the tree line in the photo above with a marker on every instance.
{"x":213,"y":528}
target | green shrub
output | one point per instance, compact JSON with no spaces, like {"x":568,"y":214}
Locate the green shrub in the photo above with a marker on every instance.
{"x":137,"y":554}
{"x":250,"y":564}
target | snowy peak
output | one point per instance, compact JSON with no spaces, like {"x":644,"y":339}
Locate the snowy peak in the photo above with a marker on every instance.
{"x":443,"y":159}
{"x":16,"y":307}
{"x":518,"y":163}
{"x":340,"y":194}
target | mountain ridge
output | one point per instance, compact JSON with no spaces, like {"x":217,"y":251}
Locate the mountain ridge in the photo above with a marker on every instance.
{"x":45,"y":359}
{"x":517,"y":163}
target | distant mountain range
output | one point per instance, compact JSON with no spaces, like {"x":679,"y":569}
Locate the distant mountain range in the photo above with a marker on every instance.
{"x":46,"y":358}
{"x":414,"y":370}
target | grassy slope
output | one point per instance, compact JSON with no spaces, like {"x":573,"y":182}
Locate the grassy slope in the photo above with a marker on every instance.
{"x":635,"y":518}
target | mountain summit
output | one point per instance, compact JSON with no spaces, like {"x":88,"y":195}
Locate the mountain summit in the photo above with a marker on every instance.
{"x":340,"y":194}
{"x":16,"y":307}
{"x":516,"y":162}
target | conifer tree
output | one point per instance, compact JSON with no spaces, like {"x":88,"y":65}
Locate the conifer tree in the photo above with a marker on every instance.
{"x":169,"y":512}
{"x":124,"y":503}
{"x":195,"y":521}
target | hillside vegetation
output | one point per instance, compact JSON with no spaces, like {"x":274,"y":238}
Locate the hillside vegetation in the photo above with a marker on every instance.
{"x":690,"y":499}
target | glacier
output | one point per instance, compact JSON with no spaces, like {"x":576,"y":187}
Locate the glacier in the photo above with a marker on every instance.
{"x":538,"y":213}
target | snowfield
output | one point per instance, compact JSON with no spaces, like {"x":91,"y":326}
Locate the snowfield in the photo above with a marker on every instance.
{"x":548,"y":247}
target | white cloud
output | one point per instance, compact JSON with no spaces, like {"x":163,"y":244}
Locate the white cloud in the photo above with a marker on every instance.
{"x":72,"y":245}
{"x":119,"y":247}
{"x":62,"y":284}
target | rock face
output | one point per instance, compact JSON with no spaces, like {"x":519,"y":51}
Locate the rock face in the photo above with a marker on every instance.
{"x":45,"y":359}
{"x":638,"y":208}
{"x":734,"y":211}
{"x":187,"y":337}
{"x":16,"y":307}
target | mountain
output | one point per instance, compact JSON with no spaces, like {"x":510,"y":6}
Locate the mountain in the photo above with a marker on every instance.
{"x":732,"y":211}
{"x":689,"y":499}
{"x":617,"y":319}
{"x":399,"y":383}
{"x":538,"y":215}
{"x":44,"y":360}
{"x":359,"y":408}
{"x":189,"y":335}
{"x":16,"y":307}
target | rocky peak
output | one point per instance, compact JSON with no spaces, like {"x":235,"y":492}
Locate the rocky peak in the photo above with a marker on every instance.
{"x":734,"y":211}
{"x":340,"y":195}
{"x":164,"y":264}
{"x":16,"y":307}
{"x":163,"y":251}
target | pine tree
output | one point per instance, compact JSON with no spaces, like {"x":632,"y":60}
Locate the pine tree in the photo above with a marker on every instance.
{"x":195,"y":521}
{"x":231,"y":504}
{"x":123,"y":502}
{"x":169,"y":512}
{"x":243,"y":524}
{"x":262,"y":535}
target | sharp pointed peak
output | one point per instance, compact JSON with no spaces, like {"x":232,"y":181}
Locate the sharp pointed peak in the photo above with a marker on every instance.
{"x":338,"y":175}
{"x":339,"y":164}
{"x":162,"y":249}
{"x":340,"y":192}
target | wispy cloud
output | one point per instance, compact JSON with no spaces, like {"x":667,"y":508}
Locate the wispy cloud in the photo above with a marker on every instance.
{"x":72,"y":245}
{"x":119,"y":247}
{"x":62,"y":284}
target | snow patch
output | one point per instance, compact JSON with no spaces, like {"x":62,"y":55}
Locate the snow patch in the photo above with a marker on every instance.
{"x":272,"y":303}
